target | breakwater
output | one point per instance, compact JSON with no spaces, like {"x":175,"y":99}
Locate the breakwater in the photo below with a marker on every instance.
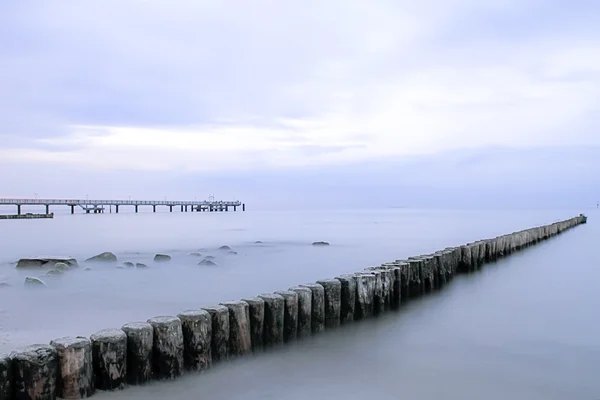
{"x":154,"y":349}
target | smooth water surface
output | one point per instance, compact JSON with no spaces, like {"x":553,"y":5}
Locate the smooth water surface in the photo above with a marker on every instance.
{"x":523,"y":328}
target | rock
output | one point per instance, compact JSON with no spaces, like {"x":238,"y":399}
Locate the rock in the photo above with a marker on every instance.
{"x":168,"y":347}
{"x":106,"y":257}
{"x":225,"y":248}
{"x":140,"y":339}
{"x":31,"y":281}
{"x":4,"y":285}
{"x":232,"y":252}
{"x":54,"y":272}
{"x":209,"y":257}
{"x":210,"y":263}
{"x":109,"y":355}
{"x":61,"y":266}
{"x":128,"y":264}
{"x":258,"y":242}
{"x":46,"y":262}
{"x":140,"y":265}
{"x":35,"y":371}
{"x":120,"y":267}
{"x":75,"y":368}
{"x":87,"y":269}
{"x":162,"y":258}
{"x":195,"y":254}
{"x":320,"y":244}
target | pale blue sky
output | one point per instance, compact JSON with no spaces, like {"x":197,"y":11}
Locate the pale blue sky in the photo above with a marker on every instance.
{"x":267,"y":100}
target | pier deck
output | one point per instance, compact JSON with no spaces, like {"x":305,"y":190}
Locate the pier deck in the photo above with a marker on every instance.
{"x":99,"y":206}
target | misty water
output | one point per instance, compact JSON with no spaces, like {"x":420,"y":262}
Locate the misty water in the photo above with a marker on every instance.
{"x":522,"y":328}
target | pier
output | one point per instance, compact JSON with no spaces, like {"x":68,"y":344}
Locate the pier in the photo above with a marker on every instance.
{"x":166,"y":347}
{"x":99,"y":206}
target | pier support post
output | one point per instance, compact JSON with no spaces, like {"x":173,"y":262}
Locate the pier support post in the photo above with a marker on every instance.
{"x":170,"y":208}
{"x":274,"y":318}
{"x":18,"y":209}
{"x":167,"y":350}
{"x":35,"y":370}
{"x":318,"y":307}
{"x":182,"y":208}
{"x":140,"y":340}
{"x":257,"y":321}
{"x":75,"y":370}
{"x":304,"y":311}
{"x":109,"y":355}
{"x":240,"y":339}
{"x":154,"y":208}
{"x":72,"y":209}
{"x":244,"y":207}
{"x":220,"y":332}
{"x":116,"y":209}
{"x":234,"y":208}
{"x":197,"y":335}
{"x":47,"y":209}
{"x":136,"y":208}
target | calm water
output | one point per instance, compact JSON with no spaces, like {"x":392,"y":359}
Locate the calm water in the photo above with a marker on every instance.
{"x":524,"y":328}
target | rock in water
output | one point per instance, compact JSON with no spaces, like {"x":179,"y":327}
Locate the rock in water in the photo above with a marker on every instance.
{"x":162,"y":258}
{"x":109,"y":354}
{"x":225,"y":248}
{"x":140,"y":339}
{"x":106,"y":257}
{"x":35,"y":370}
{"x":128,"y":264}
{"x":209,"y":257}
{"x":54,"y":272}
{"x":61,"y":266}
{"x":195,"y":254}
{"x":45,"y":262}
{"x":320,"y":244}
{"x":168,"y":347}
{"x":210,"y":263}
{"x":232,"y":252}
{"x":140,"y":265}
{"x":31,"y":281}
{"x":75,"y":369}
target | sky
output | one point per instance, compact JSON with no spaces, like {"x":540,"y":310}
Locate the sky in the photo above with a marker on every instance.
{"x":434,"y":103}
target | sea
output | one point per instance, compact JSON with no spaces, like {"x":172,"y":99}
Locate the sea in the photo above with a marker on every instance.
{"x":525,"y":327}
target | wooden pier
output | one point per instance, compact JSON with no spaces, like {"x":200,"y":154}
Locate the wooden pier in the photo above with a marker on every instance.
{"x":99,"y":206}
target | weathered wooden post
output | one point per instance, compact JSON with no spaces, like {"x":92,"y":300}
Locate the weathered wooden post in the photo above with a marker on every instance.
{"x":220,"y":332}
{"x":167,"y":352}
{"x":75,"y":369}
{"x":348,"y":298}
{"x":274,"y":318}
{"x":6,"y":377}
{"x":109,"y":355}
{"x":196,"y":326}
{"x":35,"y":371}
{"x":333,"y":302}
{"x":304,"y":310}
{"x":240,"y":338}
{"x":365,"y":296}
{"x":257,"y":322}
{"x":318,"y":307}
{"x":140,"y":341}
{"x":290,"y":315}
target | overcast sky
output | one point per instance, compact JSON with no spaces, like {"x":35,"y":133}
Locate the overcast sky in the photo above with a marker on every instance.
{"x":406,"y":103}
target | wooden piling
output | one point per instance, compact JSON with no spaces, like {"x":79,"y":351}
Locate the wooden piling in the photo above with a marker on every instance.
{"x":274,"y":319}
{"x":317,"y":307}
{"x":256,"y":308}
{"x":348,"y":298}
{"x":6,"y":377}
{"x":167,"y":349}
{"x":240,"y":337}
{"x":220,"y":332}
{"x":196,"y":326}
{"x":333,"y":302}
{"x":290,"y":315}
{"x":75,"y":369}
{"x":140,"y":341}
{"x":109,"y":355}
{"x":35,"y":372}
{"x":304,"y":311}
{"x":365,"y":296}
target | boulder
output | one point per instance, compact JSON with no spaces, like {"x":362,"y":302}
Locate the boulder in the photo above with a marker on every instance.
{"x":31,"y":281}
{"x":209,"y":257}
{"x":162,"y":258}
{"x":195,"y":254}
{"x":128,"y":264}
{"x":320,"y":244}
{"x":88,"y":269}
{"x":210,"y":263}
{"x":140,"y":265}
{"x":4,"y":285}
{"x":106,"y":257}
{"x":61,"y":266}
{"x":258,"y":242}
{"x":46,"y":262}
{"x":232,"y":252}
{"x":54,"y":272}
{"x":225,"y":248}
